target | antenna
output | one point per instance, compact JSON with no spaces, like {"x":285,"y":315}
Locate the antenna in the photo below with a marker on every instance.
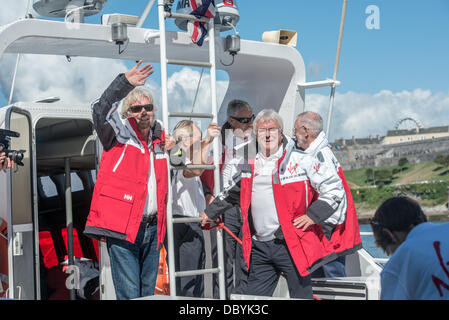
{"x":337,"y":60}
{"x":75,"y":10}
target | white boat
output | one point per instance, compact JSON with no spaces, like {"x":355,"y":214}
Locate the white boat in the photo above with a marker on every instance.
{"x":59,"y":138}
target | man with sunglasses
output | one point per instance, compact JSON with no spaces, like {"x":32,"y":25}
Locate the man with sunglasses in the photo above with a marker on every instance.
{"x":334,"y":209}
{"x":236,"y":137}
{"x":128,"y":208}
{"x":418,"y":268}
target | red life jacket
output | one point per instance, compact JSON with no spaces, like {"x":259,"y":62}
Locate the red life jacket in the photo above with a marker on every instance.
{"x":121,"y":189}
{"x":293,"y":193}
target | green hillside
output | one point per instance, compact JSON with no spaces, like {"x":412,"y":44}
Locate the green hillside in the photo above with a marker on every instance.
{"x":410,"y":173}
{"x":426,"y":182}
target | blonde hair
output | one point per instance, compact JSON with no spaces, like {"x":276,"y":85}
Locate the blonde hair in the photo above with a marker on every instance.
{"x":134,"y":96}
{"x":183,"y":128}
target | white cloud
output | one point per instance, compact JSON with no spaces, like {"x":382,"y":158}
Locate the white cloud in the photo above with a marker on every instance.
{"x":361,"y":114}
{"x":41,"y":76}
{"x":181,"y":87}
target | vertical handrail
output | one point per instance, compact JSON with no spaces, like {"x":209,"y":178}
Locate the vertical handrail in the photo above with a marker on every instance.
{"x":164,"y":99}
{"x":213,"y":84}
{"x":215,"y":148}
{"x":69,"y":224}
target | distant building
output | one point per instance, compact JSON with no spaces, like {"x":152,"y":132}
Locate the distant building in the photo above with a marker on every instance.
{"x":415,"y":134}
{"x":418,"y":144}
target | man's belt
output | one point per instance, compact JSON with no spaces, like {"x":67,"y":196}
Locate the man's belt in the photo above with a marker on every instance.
{"x":150,"y":219}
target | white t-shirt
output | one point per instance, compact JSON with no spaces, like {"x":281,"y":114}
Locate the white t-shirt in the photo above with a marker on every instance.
{"x":418,"y":269}
{"x":151,"y":201}
{"x":263,"y":206}
{"x":188,"y":196}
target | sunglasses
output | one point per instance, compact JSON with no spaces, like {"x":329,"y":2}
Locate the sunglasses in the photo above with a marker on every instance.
{"x":136,"y":109}
{"x":375,"y":223}
{"x":244,"y":120}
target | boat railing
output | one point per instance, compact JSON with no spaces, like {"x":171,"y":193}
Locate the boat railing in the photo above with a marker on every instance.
{"x":378,"y":260}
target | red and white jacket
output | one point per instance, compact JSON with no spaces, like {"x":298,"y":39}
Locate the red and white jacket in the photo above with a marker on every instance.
{"x":293,"y":194}
{"x":122,"y":181}
{"x":334,"y":209}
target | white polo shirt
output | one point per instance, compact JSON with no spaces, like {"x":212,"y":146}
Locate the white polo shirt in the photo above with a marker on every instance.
{"x":263,"y":206}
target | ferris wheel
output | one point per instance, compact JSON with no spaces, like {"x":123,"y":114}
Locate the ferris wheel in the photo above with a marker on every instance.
{"x":407,"y":123}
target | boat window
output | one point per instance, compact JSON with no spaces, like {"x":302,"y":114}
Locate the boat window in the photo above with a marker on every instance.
{"x":48,"y":187}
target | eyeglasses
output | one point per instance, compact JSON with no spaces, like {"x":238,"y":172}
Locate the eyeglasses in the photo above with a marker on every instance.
{"x":294,"y":129}
{"x":136,"y":109}
{"x":244,"y":120}
{"x":270,"y":130}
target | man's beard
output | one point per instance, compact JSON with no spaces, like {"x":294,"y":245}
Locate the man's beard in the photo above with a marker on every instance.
{"x":145,"y":123}
{"x":300,"y":142}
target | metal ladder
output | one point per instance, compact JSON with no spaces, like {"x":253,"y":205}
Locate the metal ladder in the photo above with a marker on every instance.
{"x":162,"y":13}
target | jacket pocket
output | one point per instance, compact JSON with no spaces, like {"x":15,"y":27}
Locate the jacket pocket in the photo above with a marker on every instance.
{"x":311,"y":243}
{"x":114,"y":208}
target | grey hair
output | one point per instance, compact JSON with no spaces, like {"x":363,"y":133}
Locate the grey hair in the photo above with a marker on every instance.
{"x":134,"y":96}
{"x":235,"y":106}
{"x":267,"y":115}
{"x":312,"y":121}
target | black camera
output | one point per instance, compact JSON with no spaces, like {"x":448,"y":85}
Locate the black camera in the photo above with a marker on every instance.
{"x":5,"y":138}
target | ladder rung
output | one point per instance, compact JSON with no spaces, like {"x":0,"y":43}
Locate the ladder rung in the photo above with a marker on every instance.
{"x":194,"y":167}
{"x":185,"y":17}
{"x":190,"y":115}
{"x":190,"y":63}
{"x":196,"y":272}
{"x":187,"y":219}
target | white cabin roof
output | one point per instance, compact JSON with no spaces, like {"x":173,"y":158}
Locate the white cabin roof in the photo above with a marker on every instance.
{"x":256,"y":68}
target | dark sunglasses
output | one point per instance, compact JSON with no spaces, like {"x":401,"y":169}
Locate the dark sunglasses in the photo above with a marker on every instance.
{"x":135,"y":109}
{"x":375,"y":223}
{"x":244,"y":120}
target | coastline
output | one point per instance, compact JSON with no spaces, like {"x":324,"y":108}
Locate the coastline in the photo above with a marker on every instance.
{"x":438,"y":213}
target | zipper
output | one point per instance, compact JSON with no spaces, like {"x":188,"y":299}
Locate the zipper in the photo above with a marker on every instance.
{"x":120,"y":159}
{"x":307,"y":194}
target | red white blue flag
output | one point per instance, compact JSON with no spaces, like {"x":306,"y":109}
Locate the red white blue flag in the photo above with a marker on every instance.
{"x":198,"y":30}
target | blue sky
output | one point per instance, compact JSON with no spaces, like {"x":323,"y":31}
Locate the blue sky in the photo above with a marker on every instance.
{"x":393,"y":72}
{"x":409,"y":51}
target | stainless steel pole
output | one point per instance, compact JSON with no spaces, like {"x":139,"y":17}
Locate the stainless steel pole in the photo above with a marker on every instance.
{"x":69,"y":224}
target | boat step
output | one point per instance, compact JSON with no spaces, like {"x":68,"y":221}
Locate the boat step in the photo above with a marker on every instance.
{"x":189,"y":63}
{"x":196,"y":272}
{"x":194,"y":167}
{"x":190,"y":115}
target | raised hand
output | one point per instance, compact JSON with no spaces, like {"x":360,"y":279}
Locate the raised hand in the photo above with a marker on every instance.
{"x":137,"y":76}
{"x":213,"y":130}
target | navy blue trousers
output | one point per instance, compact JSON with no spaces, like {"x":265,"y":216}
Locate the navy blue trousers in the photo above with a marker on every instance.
{"x":268,"y":260}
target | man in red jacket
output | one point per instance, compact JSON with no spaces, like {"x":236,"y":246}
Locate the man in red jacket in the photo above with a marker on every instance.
{"x":269,"y":200}
{"x":273,"y":191}
{"x":128,"y":206}
{"x":334,"y":209}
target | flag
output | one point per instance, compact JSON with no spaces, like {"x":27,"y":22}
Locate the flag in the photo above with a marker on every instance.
{"x":198,"y":30}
